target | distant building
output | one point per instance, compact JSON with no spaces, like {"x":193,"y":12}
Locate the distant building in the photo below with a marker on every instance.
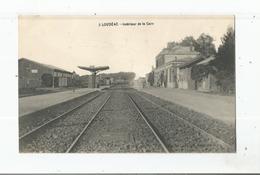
{"x":167,"y":62}
{"x":101,"y":80}
{"x":139,"y":83}
{"x":34,"y":75}
{"x":104,"y":80}
{"x":84,"y":80}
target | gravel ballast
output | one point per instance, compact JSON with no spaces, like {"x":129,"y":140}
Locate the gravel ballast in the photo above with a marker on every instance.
{"x":179,"y":136}
{"x":219,"y":129}
{"x":31,"y":121}
{"x":118,"y":128}
{"x":57,"y":136}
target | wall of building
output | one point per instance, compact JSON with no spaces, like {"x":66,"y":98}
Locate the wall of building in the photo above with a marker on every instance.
{"x":171,"y":77}
{"x":184,"y":79}
{"x":160,"y":61}
{"x":30,"y":74}
{"x":84,"y":79}
{"x":160,"y":74}
{"x":63,"y":79}
{"x":35,"y":75}
{"x":181,"y":78}
{"x":167,"y":74}
{"x":207,"y":84}
{"x":169,"y":58}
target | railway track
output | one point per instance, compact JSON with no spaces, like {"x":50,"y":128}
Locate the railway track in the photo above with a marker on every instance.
{"x":45,"y":129}
{"x":31,"y":136}
{"x":120,"y":120}
{"x":191,"y":124}
{"x":31,"y":121}
{"x":153,"y":129}
{"x":225,"y":147}
{"x":98,"y":117}
{"x":75,"y":141}
{"x":34,"y":130}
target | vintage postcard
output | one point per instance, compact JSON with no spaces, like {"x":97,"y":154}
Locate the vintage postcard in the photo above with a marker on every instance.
{"x":127,"y":84}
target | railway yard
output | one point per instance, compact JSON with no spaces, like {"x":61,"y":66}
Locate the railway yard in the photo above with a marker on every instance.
{"x":122,"y":120}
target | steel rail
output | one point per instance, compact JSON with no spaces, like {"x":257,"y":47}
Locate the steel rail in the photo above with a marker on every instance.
{"x":72,"y":145}
{"x":58,"y":117}
{"x":149,"y":125}
{"x":188,"y":123}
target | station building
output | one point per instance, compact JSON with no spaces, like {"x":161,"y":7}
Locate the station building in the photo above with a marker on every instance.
{"x":174,"y":69}
{"x":35,"y":75}
{"x":168,"y":62}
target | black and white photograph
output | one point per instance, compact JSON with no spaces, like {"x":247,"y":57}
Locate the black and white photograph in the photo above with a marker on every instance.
{"x":127,"y":84}
{"x":129,"y":87}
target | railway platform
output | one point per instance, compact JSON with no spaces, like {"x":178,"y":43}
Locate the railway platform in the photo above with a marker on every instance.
{"x":35,"y":103}
{"x":216,"y":106}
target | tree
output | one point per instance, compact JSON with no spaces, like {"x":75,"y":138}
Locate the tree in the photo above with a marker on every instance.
{"x":205,"y":45}
{"x":189,"y":41}
{"x":225,"y":57}
{"x":171,"y":44}
{"x":127,"y":76}
{"x":225,"y":62}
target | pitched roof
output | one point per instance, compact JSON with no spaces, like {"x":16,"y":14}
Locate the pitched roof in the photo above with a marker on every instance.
{"x":46,"y":65}
{"x":198,"y":61}
{"x":190,"y":63}
{"x":178,"y":50}
{"x":164,"y":51}
{"x":207,"y":60}
{"x":182,"y":50}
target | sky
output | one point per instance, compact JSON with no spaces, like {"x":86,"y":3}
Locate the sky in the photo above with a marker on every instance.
{"x":71,"y":41}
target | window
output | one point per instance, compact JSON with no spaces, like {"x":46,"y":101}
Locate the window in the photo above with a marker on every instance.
{"x":34,"y":71}
{"x":160,"y":61}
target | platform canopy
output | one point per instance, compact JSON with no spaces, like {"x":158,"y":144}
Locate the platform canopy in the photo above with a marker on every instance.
{"x":94,"y":69}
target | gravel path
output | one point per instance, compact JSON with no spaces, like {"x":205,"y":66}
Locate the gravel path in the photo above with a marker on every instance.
{"x":118,"y":128}
{"x":180,"y":136}
{"x":198,"y":101}
{"x":57,"y":136}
